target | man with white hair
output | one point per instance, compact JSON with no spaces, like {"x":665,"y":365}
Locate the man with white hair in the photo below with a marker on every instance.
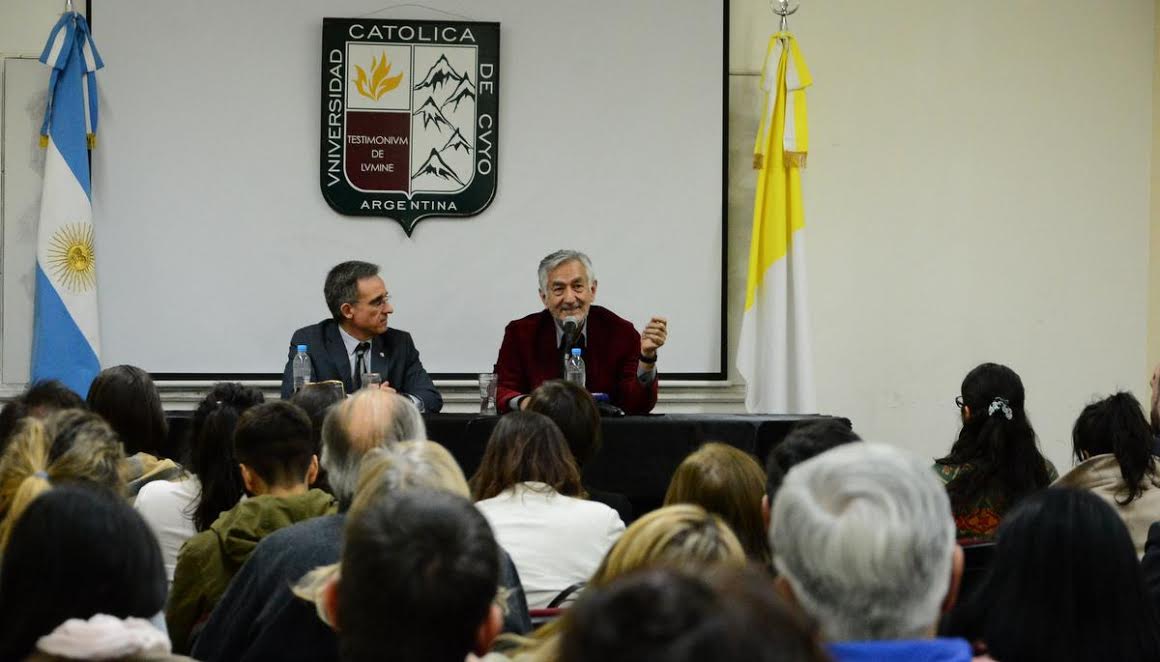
{"x":620,"y":363}
{"x":864,"y":542}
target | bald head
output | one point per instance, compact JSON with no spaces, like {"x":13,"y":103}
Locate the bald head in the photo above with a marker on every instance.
{"x":369,"y":419}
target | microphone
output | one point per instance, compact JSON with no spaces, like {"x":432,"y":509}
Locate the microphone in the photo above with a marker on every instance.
{"x":571,"y":332}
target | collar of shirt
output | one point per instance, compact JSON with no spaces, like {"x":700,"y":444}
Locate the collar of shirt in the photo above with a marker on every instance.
{"x":560,"y":331}
{"x":351,"y":343}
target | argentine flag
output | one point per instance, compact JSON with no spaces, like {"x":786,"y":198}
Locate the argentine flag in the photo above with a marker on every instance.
{"x":66,"y":340}
{"x":775,"y":355}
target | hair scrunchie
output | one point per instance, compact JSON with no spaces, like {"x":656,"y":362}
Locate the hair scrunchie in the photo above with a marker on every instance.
{"x":1000,"y":405}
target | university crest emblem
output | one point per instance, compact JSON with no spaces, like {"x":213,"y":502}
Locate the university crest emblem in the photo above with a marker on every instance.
{"x":409,"y":117}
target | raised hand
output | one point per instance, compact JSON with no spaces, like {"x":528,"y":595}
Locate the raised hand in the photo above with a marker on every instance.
{"x":653,"y":337}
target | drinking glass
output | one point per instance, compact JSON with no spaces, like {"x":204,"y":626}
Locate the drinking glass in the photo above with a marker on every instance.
{"x":487,"y":385}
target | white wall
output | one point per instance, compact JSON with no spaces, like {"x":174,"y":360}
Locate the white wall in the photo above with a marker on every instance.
{"x":24,"y":24}
{"x":943,"y":233}
{"x":1154,"y":253}
{"x":978,"y":190}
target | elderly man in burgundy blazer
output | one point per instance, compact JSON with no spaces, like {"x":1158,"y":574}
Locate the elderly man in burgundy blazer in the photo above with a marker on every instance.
{"x":620,"y":362}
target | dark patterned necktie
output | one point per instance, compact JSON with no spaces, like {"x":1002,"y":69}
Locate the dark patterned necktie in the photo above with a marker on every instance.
{"x":360,"y":365}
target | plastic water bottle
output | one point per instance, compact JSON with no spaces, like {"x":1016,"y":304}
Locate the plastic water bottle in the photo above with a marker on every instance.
{"x":574,"y":368}
{"x":301,"y":368}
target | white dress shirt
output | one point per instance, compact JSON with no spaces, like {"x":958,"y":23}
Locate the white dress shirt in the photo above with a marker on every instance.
{"x":351,"y":344}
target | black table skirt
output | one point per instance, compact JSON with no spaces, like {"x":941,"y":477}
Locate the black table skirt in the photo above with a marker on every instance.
{"x":639,"y":455}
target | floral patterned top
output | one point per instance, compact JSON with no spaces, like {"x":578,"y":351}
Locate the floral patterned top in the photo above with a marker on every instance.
{"x":979,"y":522}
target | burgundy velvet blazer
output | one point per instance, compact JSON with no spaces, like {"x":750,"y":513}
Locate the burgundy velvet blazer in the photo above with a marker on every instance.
{"x":530,"y":356}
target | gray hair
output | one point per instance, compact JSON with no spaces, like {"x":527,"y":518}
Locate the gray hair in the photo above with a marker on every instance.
{"x":865,"y":536}
{"x":369,"y":419}
{"x":341,"y":284}
{"x":554,"y":260}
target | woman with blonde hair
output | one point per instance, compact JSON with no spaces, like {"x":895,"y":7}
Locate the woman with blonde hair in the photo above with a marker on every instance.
{"x":404,"y":465}
{"x":685,"y":537}
{"x":730,"y":483}
{"x":69,"y":446}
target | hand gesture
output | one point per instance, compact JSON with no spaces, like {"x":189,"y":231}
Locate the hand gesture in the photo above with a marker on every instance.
{"x":653,"y":336}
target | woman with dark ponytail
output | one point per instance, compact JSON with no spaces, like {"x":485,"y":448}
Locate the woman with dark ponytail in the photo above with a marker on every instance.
{"x":177,"y":510}
{"x":995,"y":462}
{"x":1112,"y":443}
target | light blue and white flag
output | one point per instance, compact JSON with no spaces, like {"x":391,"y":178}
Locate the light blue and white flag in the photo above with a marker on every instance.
{"x":66,"y":339}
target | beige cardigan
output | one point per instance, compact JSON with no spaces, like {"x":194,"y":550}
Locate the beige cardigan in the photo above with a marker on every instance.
{"x":1101,"y":475}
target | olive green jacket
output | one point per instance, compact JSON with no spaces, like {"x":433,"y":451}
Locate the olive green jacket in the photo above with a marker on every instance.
{"x":207,"y":562}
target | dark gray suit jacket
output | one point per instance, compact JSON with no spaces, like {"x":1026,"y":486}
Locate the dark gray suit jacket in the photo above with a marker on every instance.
{"x":393,"y":355}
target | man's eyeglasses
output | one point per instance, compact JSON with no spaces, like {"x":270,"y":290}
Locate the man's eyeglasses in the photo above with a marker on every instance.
{"x":379,"y":302}
{"x":959,"y":401}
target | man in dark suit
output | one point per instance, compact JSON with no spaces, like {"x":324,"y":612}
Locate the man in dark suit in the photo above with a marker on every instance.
{"x":356,"y":340}
{"x":620,"y":362}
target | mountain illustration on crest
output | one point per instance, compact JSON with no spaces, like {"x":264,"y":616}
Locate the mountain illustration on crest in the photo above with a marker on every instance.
{"x":439,"y":74}
{"x":465,"y":90}
{"x":436,"y":167}
{"x":431,"y":115}
{"x":457,"y":143}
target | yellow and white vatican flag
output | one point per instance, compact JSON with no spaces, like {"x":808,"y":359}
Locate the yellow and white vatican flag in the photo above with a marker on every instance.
{"x":775,"y":356}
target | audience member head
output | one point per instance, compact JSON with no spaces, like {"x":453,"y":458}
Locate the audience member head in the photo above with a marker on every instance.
{"x":70,"y":446}
{"x":573,"y":410}
{"x":212,"y":449}
{"x":273,"y":446}
{"x":804,"y":441}
{"x":996,"y":440}
{"x":46,"y":396}
{"x":684,"y":536}
{"x":526,"y":447}
{"x":676,"y":616}
{"x":40,"y":399}
{"x":126,"y":397}
{"x":78,"y":551}
{"x":13,"y":412}
{"x":730,"y":483}
{"x":1116,"y":426}
{"x":865,"y":542}
{"x":1064,"y":584}
{"x":368,"y":419}
{"x":420,"y":572}
{"x":407,"y":465}
{"x":316,"y":400}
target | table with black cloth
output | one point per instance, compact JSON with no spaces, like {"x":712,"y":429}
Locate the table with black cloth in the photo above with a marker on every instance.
{"x":639,"y":454}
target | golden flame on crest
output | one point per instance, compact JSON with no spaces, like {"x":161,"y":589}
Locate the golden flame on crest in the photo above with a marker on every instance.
{"x":71,"y":257}
{"x":380,"y":81}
